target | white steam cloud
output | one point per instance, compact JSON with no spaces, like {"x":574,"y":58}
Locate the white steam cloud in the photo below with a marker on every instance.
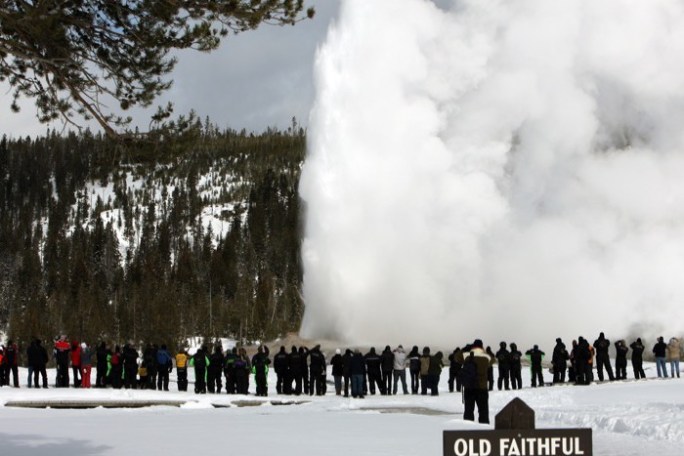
{"x":503,"y":169}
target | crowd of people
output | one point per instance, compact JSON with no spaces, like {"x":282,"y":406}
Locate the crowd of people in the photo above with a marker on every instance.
{"x":304,"y":371}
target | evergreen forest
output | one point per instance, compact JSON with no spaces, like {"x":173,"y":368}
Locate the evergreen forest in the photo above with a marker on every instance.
{"x":196,"y":234}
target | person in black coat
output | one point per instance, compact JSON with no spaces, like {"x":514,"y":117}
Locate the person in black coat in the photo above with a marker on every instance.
{"x":536,"y":356}
{"x":455,"y":370}
{"x":601,"y":345}
{"x":621,"y":351}
{"x":102,"y":354}
{"x":337,"y":363}
{"x":386,"y":368}
{"x":357,"y":370}
{"x":215,"y":370}
{"x":516,"y":367}
{"x":260,"y":363}
{"x":503,"y":359}
{"x":660,"y":352}
{"x":281,"y":363}
{"x":559,"y":361}
{"x":414,"y":369}
{"x":637,"y":358}
{"x":295,"y":369}
{"x":38,"y":358}
{"x":304,"y":369}
{"x":229,"y":370}
{"x":581,"y":355}
{"x":130,"y":365}
{"x":316,"y":371}
{"x":373,"y":363}
{"x":346,"y":370}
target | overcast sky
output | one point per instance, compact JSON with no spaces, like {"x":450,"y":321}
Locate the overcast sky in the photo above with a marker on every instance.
{"x":254,"y":80}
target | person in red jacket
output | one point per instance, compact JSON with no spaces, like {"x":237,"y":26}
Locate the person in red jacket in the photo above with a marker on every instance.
{"x":76,"y":362}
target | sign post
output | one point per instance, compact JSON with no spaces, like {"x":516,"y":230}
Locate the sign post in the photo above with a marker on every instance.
{"x":515,"y":435}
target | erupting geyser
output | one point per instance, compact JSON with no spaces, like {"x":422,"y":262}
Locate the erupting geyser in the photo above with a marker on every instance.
{"x":506,"y":169}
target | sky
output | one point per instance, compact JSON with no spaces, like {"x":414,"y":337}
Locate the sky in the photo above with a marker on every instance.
{"x":255,"y":80}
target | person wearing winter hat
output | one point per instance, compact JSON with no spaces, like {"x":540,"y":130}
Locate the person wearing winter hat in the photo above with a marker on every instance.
{"x":475,"y":362}
{"x":637,"y":358}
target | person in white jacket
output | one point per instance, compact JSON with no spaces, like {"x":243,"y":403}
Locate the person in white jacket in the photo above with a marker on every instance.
{"x":400,"y":368}
{"x":673,"y":354}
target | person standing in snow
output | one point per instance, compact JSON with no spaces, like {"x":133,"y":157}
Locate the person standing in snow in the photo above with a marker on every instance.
{"x":516,"y":367}
{"x":260,"y":363}
{"x":386,"y":368}
{"x":621,"y":350}
{"x":163,"y":366}
{"x":414,"y":369}
{"x":115,"y":368}
{"x":200,"y":362}
{"x":62,"y":348}
{"x":86,"y":365}
{"x":535,"y":356}
{"x":673,"y":354}
{"x":295,"y":371}
{"x":11,"y":362}
{"x":357,"y":370}
{"x":242,"y":370}
{"x":182,"y":370}
{"x":130,"y":366}
{"x":373,"y":363}
{"x":434,"y":372}
{"x":637,"y":358}
{"x":38,"y":357}
{"x":150,"y":363}
{"x":229,"y":370}
{"x":281,"y":363}
{"x":475,"y":362}
{"x":559,"y":360}
{"x":424,"y":368}
{"x":503,"y":359}
{"x":75,"y":356}
{"x":316,"y":370}
{"x":103,"y":353}
{"x":660,"y":352}
{"x":601,"y":345}
{"x":337,"y":363}
{"x":215,"y":371}
{"x":399,"y":369}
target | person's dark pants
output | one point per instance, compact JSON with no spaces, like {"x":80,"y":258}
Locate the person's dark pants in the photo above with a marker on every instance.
{"x":315,"y":384}
{"x":338,"y":384}
{"x":152,"y":379}
{"x":101,"y":376}
{"x":621,"y":370}
{"x":433,"y":380}
{"x":230,"y":381}
{"x":347,"y":385}
{"x":116,"y":377}
{"x":516,"y":378}
{"x":424,"y":384}
{"x":182,"y":378}
{"x":357,"y":381}
{"x":490,"y":378}
{"x":400,"y":374}
{"x":638,"y":367}
{"x":280,"y":381}
{"x":503,"y":380}
{"x":77,"y":375}
{"x":473,"y":397}
{"x":559,"y":374}
{"x":537,"y":376}
{"x":387,"y":382}
{"x":214,"y":381}
{"x":414,"y":381}
{"x":305,"y":383}
{"x":130,"y":375}
{"x":62,"y":376}
{"x":373,"y":381}
{"x":163,"y":379}
{"x":30,"y":376}
{"x":601,"y":362}
{"x":261,"y":385}
{"x":297,"y":389}
{"x":15,"y":375}
{"x":242,"y":381}
{"x":40,"y":371}
{"x":200,"y":380}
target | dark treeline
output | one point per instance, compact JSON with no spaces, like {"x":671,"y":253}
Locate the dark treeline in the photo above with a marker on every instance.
{"x":105,"y":242}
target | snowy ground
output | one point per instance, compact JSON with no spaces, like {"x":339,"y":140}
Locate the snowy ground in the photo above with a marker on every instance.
{"x":628,"y":418}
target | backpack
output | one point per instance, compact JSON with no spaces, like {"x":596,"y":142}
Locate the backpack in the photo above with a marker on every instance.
{"x":469,"y":376}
